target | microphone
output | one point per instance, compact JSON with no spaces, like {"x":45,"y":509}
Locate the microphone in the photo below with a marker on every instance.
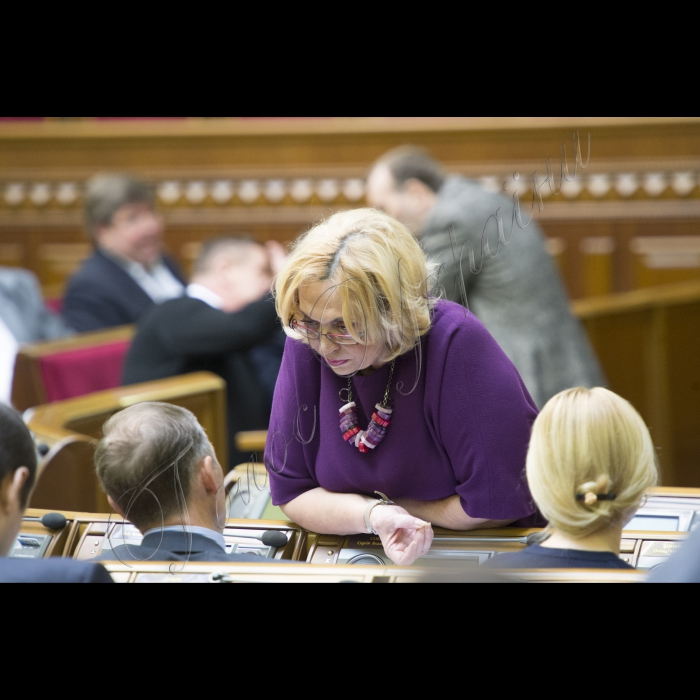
{"x":54,"y":521}
{"x":275,"y":539}
{"x":272,"y":538}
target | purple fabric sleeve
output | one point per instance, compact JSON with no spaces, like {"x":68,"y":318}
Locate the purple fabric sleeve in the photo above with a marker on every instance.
{"x":292,"y":423}
{"x":484,"y":421}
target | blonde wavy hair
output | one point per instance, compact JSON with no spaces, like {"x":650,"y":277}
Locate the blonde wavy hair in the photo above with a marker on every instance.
{"x":380,"y":275}
{"x":588,"y":443}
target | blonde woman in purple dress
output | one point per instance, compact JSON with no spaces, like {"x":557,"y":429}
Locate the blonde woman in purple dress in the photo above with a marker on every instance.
{"x":394,"y":411}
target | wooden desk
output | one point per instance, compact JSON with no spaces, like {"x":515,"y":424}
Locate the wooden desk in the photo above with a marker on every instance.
{"x":252,"y":442}
{"x":576,"y":576}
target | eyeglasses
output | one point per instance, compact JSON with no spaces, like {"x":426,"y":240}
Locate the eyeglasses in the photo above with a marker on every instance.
{"x":312,"y":334}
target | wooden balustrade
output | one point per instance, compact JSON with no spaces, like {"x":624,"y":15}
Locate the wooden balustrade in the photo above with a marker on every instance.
{"x":274,"y":178}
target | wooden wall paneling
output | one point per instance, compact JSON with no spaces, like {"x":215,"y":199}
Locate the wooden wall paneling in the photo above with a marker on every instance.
{"x":598,"y":263}
{"x":659,"y":395}
{"x":195,"y":156}
{"x":352,"y":142}
{"x":648,"y":342}
{"x":682,"y":350}
{"x":14,"y":251}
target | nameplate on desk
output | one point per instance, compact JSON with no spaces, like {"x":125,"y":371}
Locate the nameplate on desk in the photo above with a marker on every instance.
{"x":660,"y":549}
{"x":362,"y":541}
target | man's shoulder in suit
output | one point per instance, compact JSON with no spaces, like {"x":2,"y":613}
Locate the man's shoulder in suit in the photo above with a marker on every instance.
{"x":179,"y":547}
{"x":51,"y":571}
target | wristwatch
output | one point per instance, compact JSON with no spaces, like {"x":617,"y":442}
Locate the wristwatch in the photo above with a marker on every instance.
{"x":383,"y":501}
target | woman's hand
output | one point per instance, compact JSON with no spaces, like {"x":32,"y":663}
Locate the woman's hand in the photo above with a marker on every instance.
{"x":404,"y":537}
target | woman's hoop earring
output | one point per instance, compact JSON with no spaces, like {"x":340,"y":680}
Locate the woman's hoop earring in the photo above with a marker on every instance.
{"x":645,"y":498}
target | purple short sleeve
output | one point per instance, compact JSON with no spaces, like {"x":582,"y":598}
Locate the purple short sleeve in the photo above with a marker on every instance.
{"x":484,"y":419}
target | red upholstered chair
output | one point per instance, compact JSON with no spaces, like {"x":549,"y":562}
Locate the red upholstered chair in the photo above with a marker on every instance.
{"x":83,"y":371}
{"x":64,"y":369}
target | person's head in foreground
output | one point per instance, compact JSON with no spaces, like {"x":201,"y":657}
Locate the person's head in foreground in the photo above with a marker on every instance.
{"x":405,"y":183}
{"x":590,"y":461}
{"x":355,"y":288}
{"x":121,"y":220}
{"x":18,"y":467}
{"x":237,"y":269}
{"x":158,"y":469}
{"x":18,"y":473}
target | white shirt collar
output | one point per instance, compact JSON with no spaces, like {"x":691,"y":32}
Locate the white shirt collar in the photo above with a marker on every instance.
{"x":157,"y":281}
{"x":194,"y":530}
{"x":8,"y":353}
{"x":199,"y":291}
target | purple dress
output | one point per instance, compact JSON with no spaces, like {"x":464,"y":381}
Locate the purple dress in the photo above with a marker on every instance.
{"x":461,"y":425}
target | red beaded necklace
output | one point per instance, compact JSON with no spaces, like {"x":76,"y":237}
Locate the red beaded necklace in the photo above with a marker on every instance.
{"x":366,"y":440}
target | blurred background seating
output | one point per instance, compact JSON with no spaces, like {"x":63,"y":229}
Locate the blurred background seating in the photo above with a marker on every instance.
{"x":63,"y":369}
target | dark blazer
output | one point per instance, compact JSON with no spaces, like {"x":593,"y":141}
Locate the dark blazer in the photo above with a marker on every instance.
{"x":186,"y":335}
{"x":176,"y":546}
{"x":103,"y":295}
{"x":51,"y":571}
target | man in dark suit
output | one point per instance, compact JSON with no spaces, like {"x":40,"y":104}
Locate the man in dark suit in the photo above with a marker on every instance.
{"x":224,"y":325}
{"x":128,"y":272}
{"x":160,"y":473}
{"x":18,"y":466}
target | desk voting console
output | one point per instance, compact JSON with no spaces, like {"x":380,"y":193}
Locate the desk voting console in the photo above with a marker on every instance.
{"x":642,"y":550}
{"x":657,"y":532}
{"x":86,"y":536}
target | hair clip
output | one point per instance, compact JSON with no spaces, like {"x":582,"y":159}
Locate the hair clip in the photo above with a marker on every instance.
{"x":590,"y":498}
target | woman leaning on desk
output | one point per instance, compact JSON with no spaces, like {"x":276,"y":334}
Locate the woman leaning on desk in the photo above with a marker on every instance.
{"x":387,"y":391}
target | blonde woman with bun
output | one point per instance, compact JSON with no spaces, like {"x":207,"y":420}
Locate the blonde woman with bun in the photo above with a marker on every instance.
{"x":590,"y":461}
{"x":394,"y":410}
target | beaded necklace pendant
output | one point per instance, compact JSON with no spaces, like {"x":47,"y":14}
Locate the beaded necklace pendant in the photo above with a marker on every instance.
{"x":366,"y":440}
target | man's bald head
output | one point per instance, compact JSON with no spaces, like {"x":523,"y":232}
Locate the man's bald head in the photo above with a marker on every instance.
{"x":236,"y":249}
{"x":237,"y":269}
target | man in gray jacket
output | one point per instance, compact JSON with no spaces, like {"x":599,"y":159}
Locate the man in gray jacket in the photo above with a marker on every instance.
{"x":515,"y":289}
{"x":24,"y":318}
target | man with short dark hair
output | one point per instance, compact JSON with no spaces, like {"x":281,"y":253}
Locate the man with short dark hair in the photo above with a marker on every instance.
{"x":18,"y":471}
{"x":128,"y":272}
{"x":160,"y":473}
{"x":224,"y":325}
{"x":516,"y":290}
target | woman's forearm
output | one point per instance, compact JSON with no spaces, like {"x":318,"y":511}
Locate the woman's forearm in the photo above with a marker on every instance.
{"x":448,"y":513}
{"x":328,"y":513}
